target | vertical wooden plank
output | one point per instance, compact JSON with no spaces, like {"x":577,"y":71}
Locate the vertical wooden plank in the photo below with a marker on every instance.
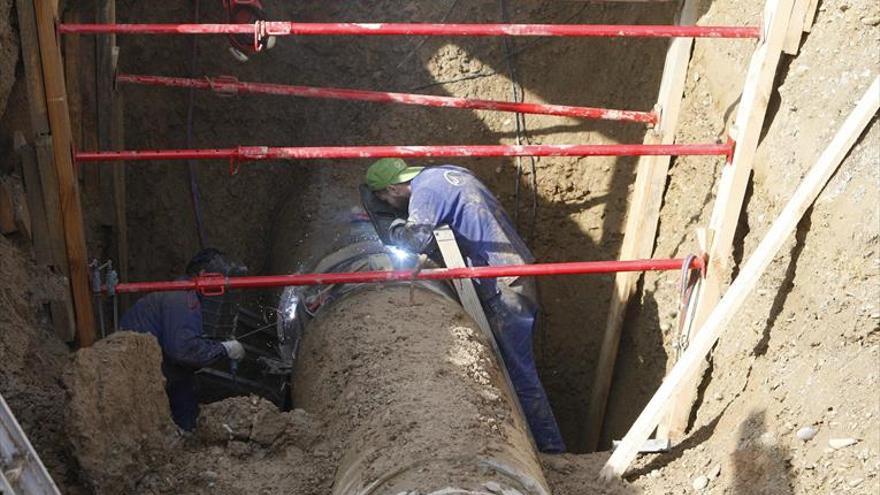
{"x":34,"y":192}
{"x":642,"y":219}
{"x":732,"y":187}
{"x":68,"y":190}
{"x":810,"y":16}
{"x":46,"y":178}
{"x":796,"y":27}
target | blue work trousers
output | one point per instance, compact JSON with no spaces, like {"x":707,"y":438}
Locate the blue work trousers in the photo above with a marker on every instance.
{"x":512,"y":314}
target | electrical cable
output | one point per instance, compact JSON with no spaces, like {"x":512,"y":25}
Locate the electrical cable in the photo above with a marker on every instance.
{"x":193,"y":166}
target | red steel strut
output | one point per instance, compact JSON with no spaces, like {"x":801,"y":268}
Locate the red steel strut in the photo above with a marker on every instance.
{"x":229,"y":86}
{"x":262,"y":29}
{"x":256,"y":153}
{"x":217,"y":284}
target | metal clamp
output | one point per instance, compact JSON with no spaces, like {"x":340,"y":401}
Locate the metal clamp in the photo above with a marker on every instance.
{"x":209,"y":279}
{"x":224,"y":86}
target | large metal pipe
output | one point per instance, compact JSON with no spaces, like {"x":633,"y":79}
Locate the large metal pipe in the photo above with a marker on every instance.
{"x":412,"y":399}
{"x":410,"y":389}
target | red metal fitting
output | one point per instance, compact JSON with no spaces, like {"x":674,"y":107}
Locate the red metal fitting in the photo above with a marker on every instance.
{"x":210,"y":284}
{"x":731,"y":144}
{"x":224,"y":86}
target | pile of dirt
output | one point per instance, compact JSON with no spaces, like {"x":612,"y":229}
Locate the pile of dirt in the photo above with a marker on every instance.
{"x":118,"y":418}
{"x":570,"y":474}
{"x":246,"y":445}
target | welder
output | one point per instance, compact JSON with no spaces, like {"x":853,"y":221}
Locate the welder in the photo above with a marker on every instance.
{"x":175,"y":319}
{"x":451,"y":195}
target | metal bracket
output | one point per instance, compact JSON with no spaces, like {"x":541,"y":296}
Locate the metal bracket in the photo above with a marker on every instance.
{"x":211,"y":279}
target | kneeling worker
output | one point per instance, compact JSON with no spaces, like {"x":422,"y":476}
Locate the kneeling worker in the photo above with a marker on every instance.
{"x":175,"y":319}
{"x":450,"y":195}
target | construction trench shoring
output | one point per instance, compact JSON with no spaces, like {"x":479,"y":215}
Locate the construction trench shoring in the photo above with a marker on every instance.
{"x":264,"y":29}
{"x":519,"y":467}
{"x":230,"y":86}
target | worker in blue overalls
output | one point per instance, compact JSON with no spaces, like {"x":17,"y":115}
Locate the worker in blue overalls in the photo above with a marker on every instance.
{"x":175,"y":319}
{"x":450,"y":195}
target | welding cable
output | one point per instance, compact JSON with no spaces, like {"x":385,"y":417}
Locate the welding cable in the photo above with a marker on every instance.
{"x":195,"y":194}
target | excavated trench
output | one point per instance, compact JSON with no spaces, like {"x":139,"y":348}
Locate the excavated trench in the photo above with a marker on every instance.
{"x":569,"y":209}
{"x":803,"y":352}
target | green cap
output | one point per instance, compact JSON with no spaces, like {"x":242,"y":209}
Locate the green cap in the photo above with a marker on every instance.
{"x":387,"y":171}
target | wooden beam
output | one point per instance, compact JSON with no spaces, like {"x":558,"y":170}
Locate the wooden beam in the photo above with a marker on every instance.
{"x":68,"y":191}
{"x":642,"y":218}
{"x":810,"y":17}
{"x":45,"y":177}
{"x":723,"y":313}
{"x":796,"y":27}
{"x":732,"y":187}
{"x":33,"y":191}
{"x":8,"y":224}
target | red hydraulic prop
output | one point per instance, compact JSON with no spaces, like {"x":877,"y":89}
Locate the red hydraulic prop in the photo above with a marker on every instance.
{"x":228,"y":85}
{"x":263,"y":29}
{"x":256,"y":153}
{"x":217,"y":284}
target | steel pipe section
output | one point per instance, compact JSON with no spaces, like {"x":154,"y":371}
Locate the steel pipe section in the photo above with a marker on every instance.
{"x":409,"y":387}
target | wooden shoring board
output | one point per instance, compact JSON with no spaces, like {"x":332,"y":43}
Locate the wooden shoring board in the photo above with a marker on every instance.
{"x":810,"y":17}
{"x":796,"y":27}
{"x":33,"y":190}
{"x":746,"y":281}
{"x":68,"y":189}
{"x":732,"y":188}
{"x":52,"y":249}
{"x":642,"y":218}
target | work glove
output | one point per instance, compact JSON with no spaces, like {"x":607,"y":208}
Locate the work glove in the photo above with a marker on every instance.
{"x":234,"y":349}
{"x":396,"y":224}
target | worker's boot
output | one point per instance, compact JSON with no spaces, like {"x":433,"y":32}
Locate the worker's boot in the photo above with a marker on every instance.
{"x":242,"y":46}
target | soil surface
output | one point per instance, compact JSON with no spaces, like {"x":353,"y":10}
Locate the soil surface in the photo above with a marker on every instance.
{"x":245,"y":445}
